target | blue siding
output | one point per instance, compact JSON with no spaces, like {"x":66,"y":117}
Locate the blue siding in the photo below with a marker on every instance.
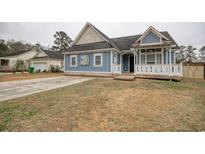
{"x":151,"y":38}
{"x":166,"y":53}
{"x":106,"y":67}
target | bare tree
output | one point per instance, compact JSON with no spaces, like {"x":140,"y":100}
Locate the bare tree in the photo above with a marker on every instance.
{"x":17,"y":46}
{"x":202,"y":53}
{"x":181,"y":54}
{"x":3,"y":47}
{"x":190,"y":55}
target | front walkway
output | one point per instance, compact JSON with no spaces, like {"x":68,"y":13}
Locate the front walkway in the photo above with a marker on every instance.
{"x":14,"y":89}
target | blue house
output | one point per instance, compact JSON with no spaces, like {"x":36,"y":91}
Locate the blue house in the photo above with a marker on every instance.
{"x":149,"y":54}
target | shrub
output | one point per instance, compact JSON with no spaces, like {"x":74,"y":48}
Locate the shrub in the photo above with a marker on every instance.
{"x":38,"y":71}
{"x":19,"y":66}
{"x":55,"y":69}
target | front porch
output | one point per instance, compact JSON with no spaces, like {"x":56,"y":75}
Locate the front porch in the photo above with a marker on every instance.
{"x":150,"y":62}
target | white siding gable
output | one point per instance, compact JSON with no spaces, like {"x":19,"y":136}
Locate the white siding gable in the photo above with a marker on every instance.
{"x":89,"y":36}
{"x":41,"y":54}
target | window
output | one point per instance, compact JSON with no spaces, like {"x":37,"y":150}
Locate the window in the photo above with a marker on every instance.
{"x":159,"y":59}
{"x":73,"y":60}
{"x":142,"y":59}
{"x":150,"y":59}
{"x":84,"y":60}
{"x":98,"y":60}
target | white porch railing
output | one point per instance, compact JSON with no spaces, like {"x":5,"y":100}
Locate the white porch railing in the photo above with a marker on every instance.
{"x":116,"y":68}
{"x":165,"y":69}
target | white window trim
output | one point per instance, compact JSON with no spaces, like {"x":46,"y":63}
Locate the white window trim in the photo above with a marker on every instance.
{"x":98,"y":54}
{"x":73,"y":56}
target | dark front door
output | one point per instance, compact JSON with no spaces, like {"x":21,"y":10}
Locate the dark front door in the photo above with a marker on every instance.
{"x":131,"y":64}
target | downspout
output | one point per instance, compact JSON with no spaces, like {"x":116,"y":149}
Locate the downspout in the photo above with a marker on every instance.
{"x":111,"y":63}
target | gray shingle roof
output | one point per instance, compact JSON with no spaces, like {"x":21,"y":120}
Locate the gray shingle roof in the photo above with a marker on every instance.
{"x":52,"y":54}
{"x":14,"y":53}
{"x":119,"y":43}
{"x":91,"y":46}
{"x":125,"y":43}
{"x":173,"y":42}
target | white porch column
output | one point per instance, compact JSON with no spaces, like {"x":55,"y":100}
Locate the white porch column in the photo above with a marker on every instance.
{"x":136,"y":58}
{"x":170,"y":62}
{"x":139,"y":56}
{"x":145,"y":56}
{"x":174,"y":57}
{"x":167,"y":55}
{"x":162,"y":53}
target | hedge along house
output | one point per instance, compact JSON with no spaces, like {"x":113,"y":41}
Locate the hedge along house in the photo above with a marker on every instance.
{"x":149,"y":54}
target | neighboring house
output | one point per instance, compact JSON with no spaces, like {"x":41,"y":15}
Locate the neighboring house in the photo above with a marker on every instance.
{"x":45,"y":59}
{"x":38,"y":58}
{"x":8,"y":60}
{"x":152,"y":53}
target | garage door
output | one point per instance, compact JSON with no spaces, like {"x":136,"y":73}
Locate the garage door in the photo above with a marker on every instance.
{"x":39,"y":66}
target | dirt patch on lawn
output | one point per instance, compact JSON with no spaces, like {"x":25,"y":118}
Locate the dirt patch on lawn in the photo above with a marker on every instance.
{"x":24,"y":76}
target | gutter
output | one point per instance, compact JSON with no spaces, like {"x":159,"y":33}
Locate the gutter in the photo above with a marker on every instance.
{"x":90,"y":51}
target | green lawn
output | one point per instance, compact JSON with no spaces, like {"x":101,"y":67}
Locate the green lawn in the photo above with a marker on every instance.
{"x":109,"y":105}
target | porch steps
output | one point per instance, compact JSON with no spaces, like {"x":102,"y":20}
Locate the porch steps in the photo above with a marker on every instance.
{"x":124,"y":77}
{"x":163,"y":77}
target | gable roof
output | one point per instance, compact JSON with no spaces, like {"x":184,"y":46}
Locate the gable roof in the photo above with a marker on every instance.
{"x":105,"y":37}
{"x":155,"y":31}
{"x":119,"y":43}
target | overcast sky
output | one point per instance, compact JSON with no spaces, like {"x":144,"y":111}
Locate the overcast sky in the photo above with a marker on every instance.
{"x":183,"y":33}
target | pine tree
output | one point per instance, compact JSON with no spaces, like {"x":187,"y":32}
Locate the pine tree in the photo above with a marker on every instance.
{"x":62,"y":41}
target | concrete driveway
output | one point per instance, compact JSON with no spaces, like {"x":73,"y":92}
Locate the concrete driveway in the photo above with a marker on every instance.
{"x":15,"y":89}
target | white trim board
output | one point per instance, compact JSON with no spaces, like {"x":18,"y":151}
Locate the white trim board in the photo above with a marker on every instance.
{"x":101,"y":59}
{"x":91,"y":51}
{"x":86,"y":72}
{"x":76,"y":58}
